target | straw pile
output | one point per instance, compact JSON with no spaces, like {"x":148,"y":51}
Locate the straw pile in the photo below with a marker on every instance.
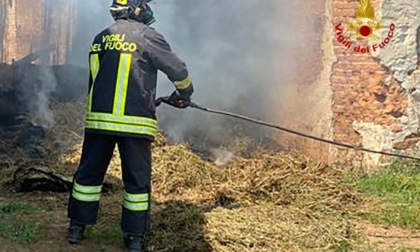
{"x":261,"y":201}
{"x":265,"y":202}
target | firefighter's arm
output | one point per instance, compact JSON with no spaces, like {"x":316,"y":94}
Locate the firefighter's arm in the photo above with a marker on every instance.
{"x":168,"y":62}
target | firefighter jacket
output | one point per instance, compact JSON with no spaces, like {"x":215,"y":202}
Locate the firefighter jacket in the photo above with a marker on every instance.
{"x":124,"y":60}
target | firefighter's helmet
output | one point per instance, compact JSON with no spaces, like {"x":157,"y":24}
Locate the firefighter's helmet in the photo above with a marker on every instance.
{"x":138,"y":10}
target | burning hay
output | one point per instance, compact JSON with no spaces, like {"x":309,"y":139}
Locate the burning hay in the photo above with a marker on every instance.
{"x":262,"y":201}
{"x":267,"y":202}
{"x":280,"y":178}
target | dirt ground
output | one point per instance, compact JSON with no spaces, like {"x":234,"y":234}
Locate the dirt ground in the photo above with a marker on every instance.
{"x":381,"y":238}
{"x":56,"y":220}
{"x":390,"y":238}
{"x":55,"y":223}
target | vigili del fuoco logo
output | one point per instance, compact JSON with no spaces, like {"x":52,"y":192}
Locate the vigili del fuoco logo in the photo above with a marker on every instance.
{"x":364,"y":27}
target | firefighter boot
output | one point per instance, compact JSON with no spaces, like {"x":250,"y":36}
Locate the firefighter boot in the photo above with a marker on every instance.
{"x":133,"y":243}
{"x":76,"y":232}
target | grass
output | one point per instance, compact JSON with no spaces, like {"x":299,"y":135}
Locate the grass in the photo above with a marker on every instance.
{"x":17,"y":207}
{"x":407,"y":250}
{"x":398,"y":186}
{"x":105,"y":232}
{"x":111,"y":234}
{"x":23,"y":231}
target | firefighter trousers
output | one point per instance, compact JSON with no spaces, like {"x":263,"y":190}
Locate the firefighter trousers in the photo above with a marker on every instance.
{"x":136,"y":172}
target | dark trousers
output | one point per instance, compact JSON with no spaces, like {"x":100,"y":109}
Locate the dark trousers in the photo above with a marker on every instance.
{"x":136,"y":170}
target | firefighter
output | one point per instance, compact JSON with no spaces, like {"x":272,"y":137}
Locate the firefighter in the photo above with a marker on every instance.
{"x":124,"y":61}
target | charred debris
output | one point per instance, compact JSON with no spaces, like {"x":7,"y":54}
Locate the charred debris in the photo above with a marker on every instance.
{"x":21,"y":135}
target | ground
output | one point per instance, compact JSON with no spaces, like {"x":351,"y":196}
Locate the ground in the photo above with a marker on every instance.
{"x":252,"y":200}
{"x":38,"y":222}
{"x":391,"y":238}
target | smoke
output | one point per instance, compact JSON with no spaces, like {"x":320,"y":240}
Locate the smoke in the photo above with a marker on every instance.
{"x":36,"y":86}
{"x":61,"y":31}
{"x":39,"y":104}
{"x":242,"y":55}
{"x":221,"y":156}
{"x":92,"y":17}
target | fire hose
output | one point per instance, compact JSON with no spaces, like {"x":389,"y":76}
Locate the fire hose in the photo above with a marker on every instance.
{"x":293,"y":132}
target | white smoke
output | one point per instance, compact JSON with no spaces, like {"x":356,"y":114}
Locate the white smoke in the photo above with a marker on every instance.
{"x":36,"y":87}
{"x":39,"y":84}
{"x":92,"y":17}
{"x":222,"y":156}
{"x":40,"y":103}
{"x":240,"y":54}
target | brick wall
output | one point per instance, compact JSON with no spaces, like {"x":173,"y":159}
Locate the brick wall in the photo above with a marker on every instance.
{"x":366,"y":92}
{"x":28,"y":26}
{"x":370,"y":100}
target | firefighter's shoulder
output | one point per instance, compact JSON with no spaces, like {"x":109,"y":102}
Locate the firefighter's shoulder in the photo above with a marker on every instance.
{"x":154,"y":37}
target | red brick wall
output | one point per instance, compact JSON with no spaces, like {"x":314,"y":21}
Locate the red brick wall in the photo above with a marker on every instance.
{"x":360,"y":91}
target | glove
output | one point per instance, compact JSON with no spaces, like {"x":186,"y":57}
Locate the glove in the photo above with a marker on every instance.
{"x":181,"y":98}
